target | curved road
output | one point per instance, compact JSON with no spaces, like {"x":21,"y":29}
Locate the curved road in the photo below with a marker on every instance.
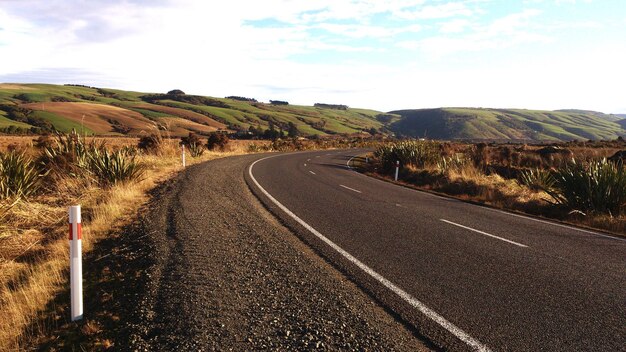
{"x":465,"y":276}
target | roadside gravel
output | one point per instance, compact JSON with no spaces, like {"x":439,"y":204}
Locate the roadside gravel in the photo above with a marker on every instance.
{"x":224,"y":274}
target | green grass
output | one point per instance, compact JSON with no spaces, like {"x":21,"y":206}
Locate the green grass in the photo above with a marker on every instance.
{"x":6,"y":122}
{"x":505,"y":124}
{"x":444,"y":123}
{"x":62,"y":124}
{"x":152,"y":115}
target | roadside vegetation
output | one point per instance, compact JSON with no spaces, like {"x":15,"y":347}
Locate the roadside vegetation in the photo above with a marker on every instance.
{"x":579,"y":182}
{"x":110,"y":178}
{"x":39,"y":179}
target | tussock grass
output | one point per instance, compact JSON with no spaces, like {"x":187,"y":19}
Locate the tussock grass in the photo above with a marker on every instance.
{"x":33,"y":239}
{"x":575,"y":187}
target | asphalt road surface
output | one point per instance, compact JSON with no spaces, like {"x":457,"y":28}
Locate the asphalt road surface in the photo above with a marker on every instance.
{"x":216,"y":272}
{"x":465,"y":276}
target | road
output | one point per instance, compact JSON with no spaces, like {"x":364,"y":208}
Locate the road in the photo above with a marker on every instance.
{"x":465,"y":276}
{"x":212,"y":270}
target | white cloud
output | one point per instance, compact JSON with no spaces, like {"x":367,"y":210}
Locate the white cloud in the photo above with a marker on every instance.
{"x":503,"y":33}
{"x":454,"y":26}
{"x":211,"y":49}
{"x":448,"y":10}
{"x":364,"y":31}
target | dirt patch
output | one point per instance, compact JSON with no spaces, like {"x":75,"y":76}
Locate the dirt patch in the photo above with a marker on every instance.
{"x":179,"y":127}
{"x":100,"y":118}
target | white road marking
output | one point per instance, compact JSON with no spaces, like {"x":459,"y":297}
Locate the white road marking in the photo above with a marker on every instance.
{"x":560,"y":225}
{"x":443,"y":322}
{"x":348,"y":162}
{"x":317,"y":156}
{"x":312,"y":172}
{"x":502,"y":211}
{"x":352,"y":189}
{"x":484,"y":233}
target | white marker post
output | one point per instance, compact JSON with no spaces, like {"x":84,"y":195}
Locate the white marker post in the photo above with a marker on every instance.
{"x":76,"y":265}
{"x":183,"y":155}
{"x":367,"y":160}
{"x":397,"y":168}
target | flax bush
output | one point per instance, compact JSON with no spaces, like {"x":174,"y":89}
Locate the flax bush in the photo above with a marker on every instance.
{"x":70,"y":155}
{"x":19,"y":176}
{"x":537,"y":179}
{"x":416,"y":153}
{"x":597,"y":186}
{"x":114,"y":167}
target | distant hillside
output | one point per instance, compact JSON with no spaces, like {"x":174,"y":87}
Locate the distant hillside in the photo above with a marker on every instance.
{"x":608,"y":117}
{"x":99,"y":111}
{"x":504,"y":124}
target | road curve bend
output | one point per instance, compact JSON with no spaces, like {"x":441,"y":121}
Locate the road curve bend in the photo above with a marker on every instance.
{"x":222,"y":274}
{"x":467,"y":277}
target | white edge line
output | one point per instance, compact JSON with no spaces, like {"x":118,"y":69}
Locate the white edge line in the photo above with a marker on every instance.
{"x":349,"y":160}
{"x":453,"y":329}
{"x":312,"y":172}
{"x":484,"y":233}
{"x":559,"y":225}
{"x":352,"y":189}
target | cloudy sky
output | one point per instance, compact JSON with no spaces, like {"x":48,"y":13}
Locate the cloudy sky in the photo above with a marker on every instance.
{"x":380,"y":54}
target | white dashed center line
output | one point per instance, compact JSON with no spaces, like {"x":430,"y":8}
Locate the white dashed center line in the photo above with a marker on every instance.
{"x":352,"y":189}
{"x":484,"y":233}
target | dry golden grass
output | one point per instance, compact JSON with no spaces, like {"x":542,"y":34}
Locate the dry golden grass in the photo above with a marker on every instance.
{"x":471,"y":184}
{"x":33,"y":245}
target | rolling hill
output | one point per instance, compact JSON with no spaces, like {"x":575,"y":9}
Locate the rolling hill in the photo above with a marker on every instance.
{"x":505,"y":124}
{"x":111,"y":112}
{"x":98,"y":111}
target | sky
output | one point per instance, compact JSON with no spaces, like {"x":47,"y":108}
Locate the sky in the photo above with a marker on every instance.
{"x":379,"y":54}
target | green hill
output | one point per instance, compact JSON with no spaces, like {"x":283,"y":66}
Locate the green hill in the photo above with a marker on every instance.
{"x":100,"y":111}
{"x":505,"y":124}
{"x":42,"y":107}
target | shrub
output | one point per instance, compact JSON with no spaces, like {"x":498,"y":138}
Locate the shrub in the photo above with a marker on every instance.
{"x":19,"y":176}
{"x":452,"y":163}
{"x":217,"y":140}
{"x":599,"y":186}
{"x":416,"y":153}
{"x":68,"y":153}
{"x":151,"y":144}
{"x":537,"y":179}
{"x":43,"y":142}
{"x":71,"y":155}
{"x":114,"y":167}
{"x":196,"y":150}
{"x":480,"y":155}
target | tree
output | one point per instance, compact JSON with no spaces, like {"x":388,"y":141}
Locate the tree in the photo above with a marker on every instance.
{"x":271,"y":132}
{"x":292,"y":130}
{"x":217,"y":140}
{"x":176,"y":92}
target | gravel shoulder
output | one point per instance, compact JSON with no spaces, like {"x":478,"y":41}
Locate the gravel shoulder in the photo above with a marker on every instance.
{"x":218,"y":272}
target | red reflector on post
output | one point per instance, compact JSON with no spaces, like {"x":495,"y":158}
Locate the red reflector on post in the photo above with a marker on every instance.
{"x":79,"y":231}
